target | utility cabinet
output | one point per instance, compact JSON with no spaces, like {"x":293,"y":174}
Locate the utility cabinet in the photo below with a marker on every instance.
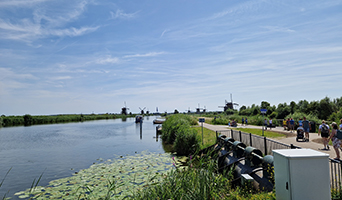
{"x":301,"y":174}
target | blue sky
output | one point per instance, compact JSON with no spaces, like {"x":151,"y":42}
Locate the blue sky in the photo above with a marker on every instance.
{"x":85,"y":56}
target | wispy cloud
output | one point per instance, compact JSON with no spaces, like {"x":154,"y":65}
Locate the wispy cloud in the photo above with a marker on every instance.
{"x":19,"y":3}
{"x":163,"y":33}
{"x":278,"y":29}
{"x":120,"y":14}
{"x":45,"y":23}
{"x":107,"y":60}
{"x":151,"y":54}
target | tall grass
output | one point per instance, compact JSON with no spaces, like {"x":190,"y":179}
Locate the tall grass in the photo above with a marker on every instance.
{"x":199,"y":180}
{"x":177,"y":132}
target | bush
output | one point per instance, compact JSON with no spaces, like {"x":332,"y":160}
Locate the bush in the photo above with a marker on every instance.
{"x":186,"y":141}
{"x":176,"y":130}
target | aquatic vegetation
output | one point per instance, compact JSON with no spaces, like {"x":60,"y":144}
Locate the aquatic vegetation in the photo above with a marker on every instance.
{"x":118,"y":178}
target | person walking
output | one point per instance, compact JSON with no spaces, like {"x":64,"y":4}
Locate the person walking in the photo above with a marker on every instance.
{"x":325,"y":132}
{"x":246,"y":121}
{"x":306,"y":127}
{"x":291,"y":124}
{"x":242,"y":121}
{"x":335,"y":141}
{"x":284,"y":124}
{"x":270,"y":123}
{"x":265,"y":123}
{"x":300,"y":122}
{"x":288,"y":124}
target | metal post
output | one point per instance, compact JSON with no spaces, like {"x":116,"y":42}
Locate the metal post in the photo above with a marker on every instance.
{"x":250,"y":139}
{"x":202,"y":133}
{"x":216,"y":137}
{"x":263,"y":124}
{"x":265,"y":144}
{"x":240,"y":136}
{"x":231,"y":133}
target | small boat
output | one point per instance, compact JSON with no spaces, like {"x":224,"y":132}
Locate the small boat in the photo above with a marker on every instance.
{"x":138,"y":119}
{"x":158,"y":121}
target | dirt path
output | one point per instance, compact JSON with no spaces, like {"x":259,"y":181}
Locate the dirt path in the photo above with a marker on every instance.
{"x":315,"y":142}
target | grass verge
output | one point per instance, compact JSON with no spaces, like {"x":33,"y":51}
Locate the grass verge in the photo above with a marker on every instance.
{"x":269,"y":134}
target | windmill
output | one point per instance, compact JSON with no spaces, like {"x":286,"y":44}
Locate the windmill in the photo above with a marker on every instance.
{"x":124,"y":110}
{"x":142,"y":111}
{"x":205,"y":109}
{"x":198,"y":109}
{"x":229,"y":105}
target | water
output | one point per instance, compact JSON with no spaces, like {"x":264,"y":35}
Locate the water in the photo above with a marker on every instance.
{"x":59,"y":150}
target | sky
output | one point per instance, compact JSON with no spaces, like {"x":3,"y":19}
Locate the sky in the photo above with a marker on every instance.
{"x":93,"y":56}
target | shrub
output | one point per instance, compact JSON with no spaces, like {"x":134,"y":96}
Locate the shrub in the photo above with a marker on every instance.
{"x":176,"y":130}
{"x":186,"y":141}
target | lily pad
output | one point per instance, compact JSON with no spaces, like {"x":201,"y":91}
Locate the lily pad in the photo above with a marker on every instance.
{"x":119,"y":177}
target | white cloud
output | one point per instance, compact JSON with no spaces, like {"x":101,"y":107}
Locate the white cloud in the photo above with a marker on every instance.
{"x":107,"y":60}
{"x":45,"y":23}
{"x":61,"y":78}
{"x":120,"y":14}
{"x":278,"y":29}
{"x":20,"y":3}
{"x":151,"y":54}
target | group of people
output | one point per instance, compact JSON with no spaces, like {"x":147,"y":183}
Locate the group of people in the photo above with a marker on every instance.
{"x":289,"y":124}
{"x":303,"y":125}
{"x":244,"y":121}
{"x":270,"y":123}
{"x":328,"y":135}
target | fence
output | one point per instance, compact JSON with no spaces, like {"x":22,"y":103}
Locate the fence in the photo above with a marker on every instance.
{"x":266,"y":145}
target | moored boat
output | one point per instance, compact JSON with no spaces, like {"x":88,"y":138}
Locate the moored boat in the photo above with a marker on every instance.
{"x":138,"y":119}
{"x":158,"y":121}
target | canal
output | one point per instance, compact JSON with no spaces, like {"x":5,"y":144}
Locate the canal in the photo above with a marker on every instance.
{"x":61,"y":150}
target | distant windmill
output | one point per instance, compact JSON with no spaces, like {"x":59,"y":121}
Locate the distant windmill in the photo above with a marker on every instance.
{"x":229,"y":105}
{"x":198,"y":110}
{"x":124,"y":110}
{"x":147,"y":112}
{"x":142,"y":111}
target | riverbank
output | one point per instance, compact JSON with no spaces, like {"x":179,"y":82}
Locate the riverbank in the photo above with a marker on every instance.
{"x":28,"y":120}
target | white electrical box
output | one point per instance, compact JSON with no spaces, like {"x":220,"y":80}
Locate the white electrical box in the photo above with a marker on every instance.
{"x":301,"y":174}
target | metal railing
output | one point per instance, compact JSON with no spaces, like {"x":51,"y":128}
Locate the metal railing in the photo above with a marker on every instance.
{"x":266,"y":145}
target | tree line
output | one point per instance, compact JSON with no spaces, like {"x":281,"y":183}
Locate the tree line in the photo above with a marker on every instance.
{"x":28,"y":120}
{"x":324,"y":109}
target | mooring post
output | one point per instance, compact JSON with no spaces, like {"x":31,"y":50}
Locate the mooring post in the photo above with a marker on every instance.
{"x":250,"y":139}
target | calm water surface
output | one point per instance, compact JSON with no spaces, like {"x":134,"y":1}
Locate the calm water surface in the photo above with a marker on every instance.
{"x":59,"y":150}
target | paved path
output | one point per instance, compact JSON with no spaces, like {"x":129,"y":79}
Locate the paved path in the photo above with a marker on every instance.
{"x":312,"y":144}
